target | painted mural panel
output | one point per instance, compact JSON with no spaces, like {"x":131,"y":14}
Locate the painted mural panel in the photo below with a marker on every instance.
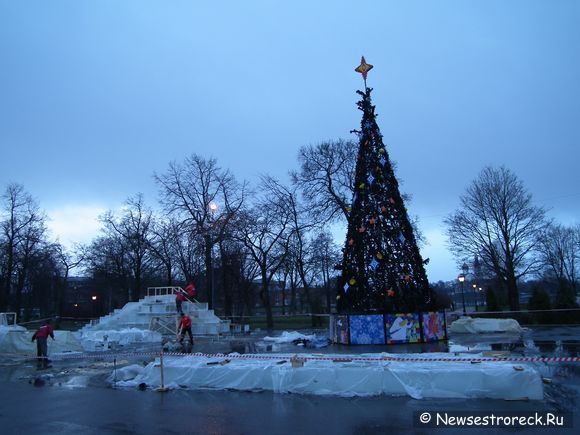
{"x":402,"y":328}
{"x":367,"y":329}
{"x":433,"y":326}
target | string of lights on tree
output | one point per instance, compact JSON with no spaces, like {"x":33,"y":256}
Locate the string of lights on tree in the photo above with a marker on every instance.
{"x":382,"y":269}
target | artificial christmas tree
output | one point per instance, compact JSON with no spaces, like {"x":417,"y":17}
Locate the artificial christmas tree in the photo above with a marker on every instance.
{"x":382,"y":269}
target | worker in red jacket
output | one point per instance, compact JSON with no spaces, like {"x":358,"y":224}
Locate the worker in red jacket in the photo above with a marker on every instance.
{"x":184,"y":327}
{"x":179,"y":298}
{"x":41,"y":337}
{"x":191,"y":291}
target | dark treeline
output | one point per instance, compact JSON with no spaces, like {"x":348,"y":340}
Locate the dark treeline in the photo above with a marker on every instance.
{"x":262,"y":248}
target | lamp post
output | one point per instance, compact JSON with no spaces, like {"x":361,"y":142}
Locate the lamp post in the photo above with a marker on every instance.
{"x":475,"y":295}
{"x":213,"y":207}
{"x":461,"y":279}
{"x":464,"y":269}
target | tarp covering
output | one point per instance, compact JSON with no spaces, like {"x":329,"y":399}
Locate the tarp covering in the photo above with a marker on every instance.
{"x":347,"y":378}
{"x":95,"y":340}
{"x":468,"y":325}
{"x":289,"y":337}
{"x":16,"y":339}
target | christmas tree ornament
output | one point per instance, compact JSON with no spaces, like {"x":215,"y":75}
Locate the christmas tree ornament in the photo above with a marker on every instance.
{"x":364,"y":69}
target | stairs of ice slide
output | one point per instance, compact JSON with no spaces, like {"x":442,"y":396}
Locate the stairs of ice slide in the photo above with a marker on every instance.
{"x":157,"y":312}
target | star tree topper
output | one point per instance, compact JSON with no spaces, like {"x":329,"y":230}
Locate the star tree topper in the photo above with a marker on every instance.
{"x":364,"y":68}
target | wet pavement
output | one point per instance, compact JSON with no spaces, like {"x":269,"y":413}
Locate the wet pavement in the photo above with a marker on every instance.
{"x":74,"y":397}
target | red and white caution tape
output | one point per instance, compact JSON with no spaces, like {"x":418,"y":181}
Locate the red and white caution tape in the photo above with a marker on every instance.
{"x":278,"y":357}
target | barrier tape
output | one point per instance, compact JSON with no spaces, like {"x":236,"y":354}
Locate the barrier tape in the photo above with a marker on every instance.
{"x":108,"y":355}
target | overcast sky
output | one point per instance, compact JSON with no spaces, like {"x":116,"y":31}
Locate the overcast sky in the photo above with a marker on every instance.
{"x":96,"y":96}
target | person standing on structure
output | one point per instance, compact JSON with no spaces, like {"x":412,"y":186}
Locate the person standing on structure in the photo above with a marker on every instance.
{"x":191,"y":291}
{"x":179,"y":298}
{"x":41,"y":337}
{"x":184,"y":327}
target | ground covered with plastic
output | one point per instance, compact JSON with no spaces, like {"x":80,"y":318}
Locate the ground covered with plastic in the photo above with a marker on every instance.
{"x":341,"y":375}
{"x":293,"y":362}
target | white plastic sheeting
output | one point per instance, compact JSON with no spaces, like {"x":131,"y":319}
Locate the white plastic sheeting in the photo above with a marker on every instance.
{"x":468,"y":325}
{"x":428,"y":379}
{"x":289,"y":337}
{"x":99,"y":340}
{"x":16,"y":339}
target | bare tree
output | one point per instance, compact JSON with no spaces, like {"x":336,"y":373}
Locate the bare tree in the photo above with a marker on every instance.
{"x":134,"y":229}
{"x":108,"y":263}
{"x":163,"y":244}
{"x":300,"y":251}
{"x":560,"y":253}
{"x":497,"y":222}
{"x":204,"y":198}
{"x":325,"y":255}
{"x":23,"y":232}
{"x":67,"y":261}
{"x":326,"y":178}
{"x":264,"y":231}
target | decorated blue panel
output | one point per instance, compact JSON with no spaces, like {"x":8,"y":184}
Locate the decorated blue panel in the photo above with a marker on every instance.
{"x":367,"y":329}
{"x":402,"y":328}
{"x":434,"y":326}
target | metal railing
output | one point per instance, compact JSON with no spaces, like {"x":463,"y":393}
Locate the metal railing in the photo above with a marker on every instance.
{"x":165,"y":325}
{"x":163,"y":291}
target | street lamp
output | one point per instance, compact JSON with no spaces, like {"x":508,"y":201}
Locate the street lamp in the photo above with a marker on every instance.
{"x":461,"y":279}
{"x":213,"y":207}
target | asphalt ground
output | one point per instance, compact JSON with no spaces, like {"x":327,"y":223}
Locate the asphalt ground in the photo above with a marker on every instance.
{"x":73,"y":396}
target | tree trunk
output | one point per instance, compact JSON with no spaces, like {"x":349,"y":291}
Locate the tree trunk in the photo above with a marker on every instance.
{"x":5,"y":299}
{"x":265,"y":296}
